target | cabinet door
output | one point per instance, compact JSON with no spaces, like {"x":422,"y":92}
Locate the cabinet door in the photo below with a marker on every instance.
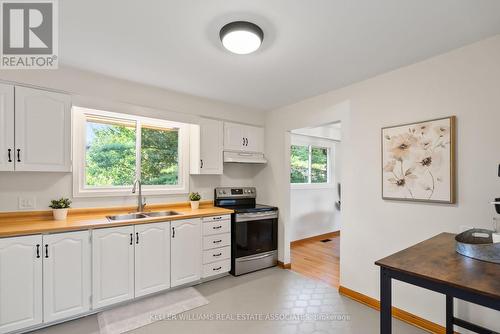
{"x":211,"y":147}
{"x":20,"y":282}
{"x":112,"y":265}
{"x":254,"y":137}
{"x":185,"y":247}
{"x":42,"y":130}
{"x":6,"y":127}
{"x":233,"y":137}
{"x":66,"y":275}
{"x":152,"y":258}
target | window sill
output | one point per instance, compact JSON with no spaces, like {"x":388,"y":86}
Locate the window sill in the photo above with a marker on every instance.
{"x":311,"y":186}
{"x":127,"y":192}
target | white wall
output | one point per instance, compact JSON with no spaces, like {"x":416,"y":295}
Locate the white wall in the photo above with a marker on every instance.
{"x":312,"y":207}
{"x":97,"y":91}
{"x":464,"y":83}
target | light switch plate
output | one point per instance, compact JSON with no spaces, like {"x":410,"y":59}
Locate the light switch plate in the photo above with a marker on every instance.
{"x":26,"y":203}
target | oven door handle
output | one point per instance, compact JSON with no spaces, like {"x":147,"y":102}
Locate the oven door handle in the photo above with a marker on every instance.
{"x":255,"y":217}
{"x":254,"y":258}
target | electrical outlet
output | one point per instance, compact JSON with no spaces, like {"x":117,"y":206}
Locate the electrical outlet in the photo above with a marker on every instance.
{"x":26,"y":203}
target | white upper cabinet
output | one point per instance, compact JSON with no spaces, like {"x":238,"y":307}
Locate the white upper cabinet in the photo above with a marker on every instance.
{"x":186,"y":252}
{"x":246,"y":138}
{"x":20,"y":282}
{"x":6,"y":127}
{"x":206,"y":146}
{"x":66,"y":275}
{"x":112,"y":265}
{"x":42,"y":130}
{"x":152,"y":258}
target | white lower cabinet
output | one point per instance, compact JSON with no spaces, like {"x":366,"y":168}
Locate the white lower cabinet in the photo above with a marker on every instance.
{"x":152,"y":258}
{"x":20,"y":283}
{"x":112,"y":265}
{"x":185,"y":245}
{"x":66,"y":275}
{"x":216,"y":245}
{"x":50,"y":278}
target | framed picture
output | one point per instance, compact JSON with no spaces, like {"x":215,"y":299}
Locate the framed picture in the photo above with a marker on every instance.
{"x":418,"y":161}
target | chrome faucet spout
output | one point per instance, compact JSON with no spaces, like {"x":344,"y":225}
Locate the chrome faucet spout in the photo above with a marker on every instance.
{"x":140,"y":202}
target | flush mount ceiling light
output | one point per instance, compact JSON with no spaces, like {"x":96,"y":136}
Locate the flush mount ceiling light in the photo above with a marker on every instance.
{"x":241,"y":37}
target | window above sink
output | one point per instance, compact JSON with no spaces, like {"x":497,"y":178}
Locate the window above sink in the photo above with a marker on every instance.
{"x":111,"y":150}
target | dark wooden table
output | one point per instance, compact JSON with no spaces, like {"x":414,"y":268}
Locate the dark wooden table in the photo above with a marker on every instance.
{"x":433,"y":264}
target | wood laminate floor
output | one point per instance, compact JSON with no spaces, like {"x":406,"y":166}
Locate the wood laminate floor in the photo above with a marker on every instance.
{"x":318,"y":260}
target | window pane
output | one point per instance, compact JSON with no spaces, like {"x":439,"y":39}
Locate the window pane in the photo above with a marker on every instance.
{"x":110,"y":153}
{"x":299,"y":164}
{"x":160,"y":156}
{"x":319,"y":165}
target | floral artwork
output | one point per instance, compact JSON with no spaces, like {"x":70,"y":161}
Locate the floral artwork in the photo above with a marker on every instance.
{"x":418,"y":161}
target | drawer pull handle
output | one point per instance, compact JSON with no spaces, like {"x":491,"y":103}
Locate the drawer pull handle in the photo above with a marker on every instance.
{"x":217,"y":241}
{"x":10,"y":158}
{"x":18,"y":155}
{"x":217,"y":227}
{"x":46,"y":251}
{"x":38,"y":251}
{"x":217,"y":269}
{"x":216,"y":255}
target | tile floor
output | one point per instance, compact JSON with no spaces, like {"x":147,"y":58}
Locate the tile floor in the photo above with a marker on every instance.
{"x":270,"y":291}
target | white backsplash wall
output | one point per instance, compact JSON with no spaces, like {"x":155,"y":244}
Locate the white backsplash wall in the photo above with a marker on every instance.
{"x":46,"y":186}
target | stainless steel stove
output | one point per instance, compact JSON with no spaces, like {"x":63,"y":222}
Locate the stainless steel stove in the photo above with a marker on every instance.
{"x":254,"y":229}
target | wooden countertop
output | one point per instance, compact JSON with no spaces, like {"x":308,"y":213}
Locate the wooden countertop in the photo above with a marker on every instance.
{"x":36,"y":222}
{"x":436,"y":259}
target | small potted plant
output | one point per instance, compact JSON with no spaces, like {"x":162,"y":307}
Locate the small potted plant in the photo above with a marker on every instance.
{"x":60,"y":208}
{"x":195,"y":200}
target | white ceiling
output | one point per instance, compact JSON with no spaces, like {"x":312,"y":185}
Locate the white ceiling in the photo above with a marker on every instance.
{"x":310,"y":46}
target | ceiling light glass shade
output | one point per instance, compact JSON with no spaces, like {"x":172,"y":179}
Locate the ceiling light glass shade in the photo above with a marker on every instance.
{"x":241,"y":37}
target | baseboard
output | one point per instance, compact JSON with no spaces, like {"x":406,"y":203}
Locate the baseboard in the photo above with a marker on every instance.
{"x":397,"y":313}
{"x":284,"y":265}
{"x":316,"y":237}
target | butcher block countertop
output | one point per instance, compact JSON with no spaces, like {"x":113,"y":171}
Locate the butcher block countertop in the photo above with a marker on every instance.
{"x":36,"y":222}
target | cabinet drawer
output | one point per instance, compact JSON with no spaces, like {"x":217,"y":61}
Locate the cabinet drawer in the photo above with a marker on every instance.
{"x":216,"y":268}
{"x":216,"y":218}
{"x":216,"y":254}
{"x":217,"y":227}
{"x":216,"y":241}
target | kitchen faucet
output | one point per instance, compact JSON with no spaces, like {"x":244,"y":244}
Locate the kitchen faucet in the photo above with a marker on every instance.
{"x":141,"y":203}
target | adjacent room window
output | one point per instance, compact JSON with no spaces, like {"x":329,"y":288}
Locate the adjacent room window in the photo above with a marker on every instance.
{"x":112,"y":150}
{"x":309,"y":164}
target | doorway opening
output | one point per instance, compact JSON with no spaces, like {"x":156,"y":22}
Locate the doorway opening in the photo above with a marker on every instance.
{"x":315,"y":201}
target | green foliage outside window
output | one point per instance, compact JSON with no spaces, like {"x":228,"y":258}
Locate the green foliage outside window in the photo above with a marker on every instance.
{"x":111,"y":155}
{"x":319,"y":165}
{"x":308,"y":164}
{"x":159,"y":156}
{"x":299,"y":163}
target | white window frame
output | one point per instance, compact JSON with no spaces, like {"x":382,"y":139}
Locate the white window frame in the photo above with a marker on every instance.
{"x":79,"y":154}
{"x":312,"y":142}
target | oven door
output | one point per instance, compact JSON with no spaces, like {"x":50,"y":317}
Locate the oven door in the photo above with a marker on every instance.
{"x":255,"y":233}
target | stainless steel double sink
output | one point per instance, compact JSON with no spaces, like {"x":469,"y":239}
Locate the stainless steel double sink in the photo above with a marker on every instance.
{"x":142,"y":215}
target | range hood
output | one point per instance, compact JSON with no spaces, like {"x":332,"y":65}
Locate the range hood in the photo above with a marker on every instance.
{"x":245,"y":157}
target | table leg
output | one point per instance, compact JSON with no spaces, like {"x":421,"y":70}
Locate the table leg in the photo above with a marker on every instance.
{"x":449,"y":314}
{"x":385,"y":302}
